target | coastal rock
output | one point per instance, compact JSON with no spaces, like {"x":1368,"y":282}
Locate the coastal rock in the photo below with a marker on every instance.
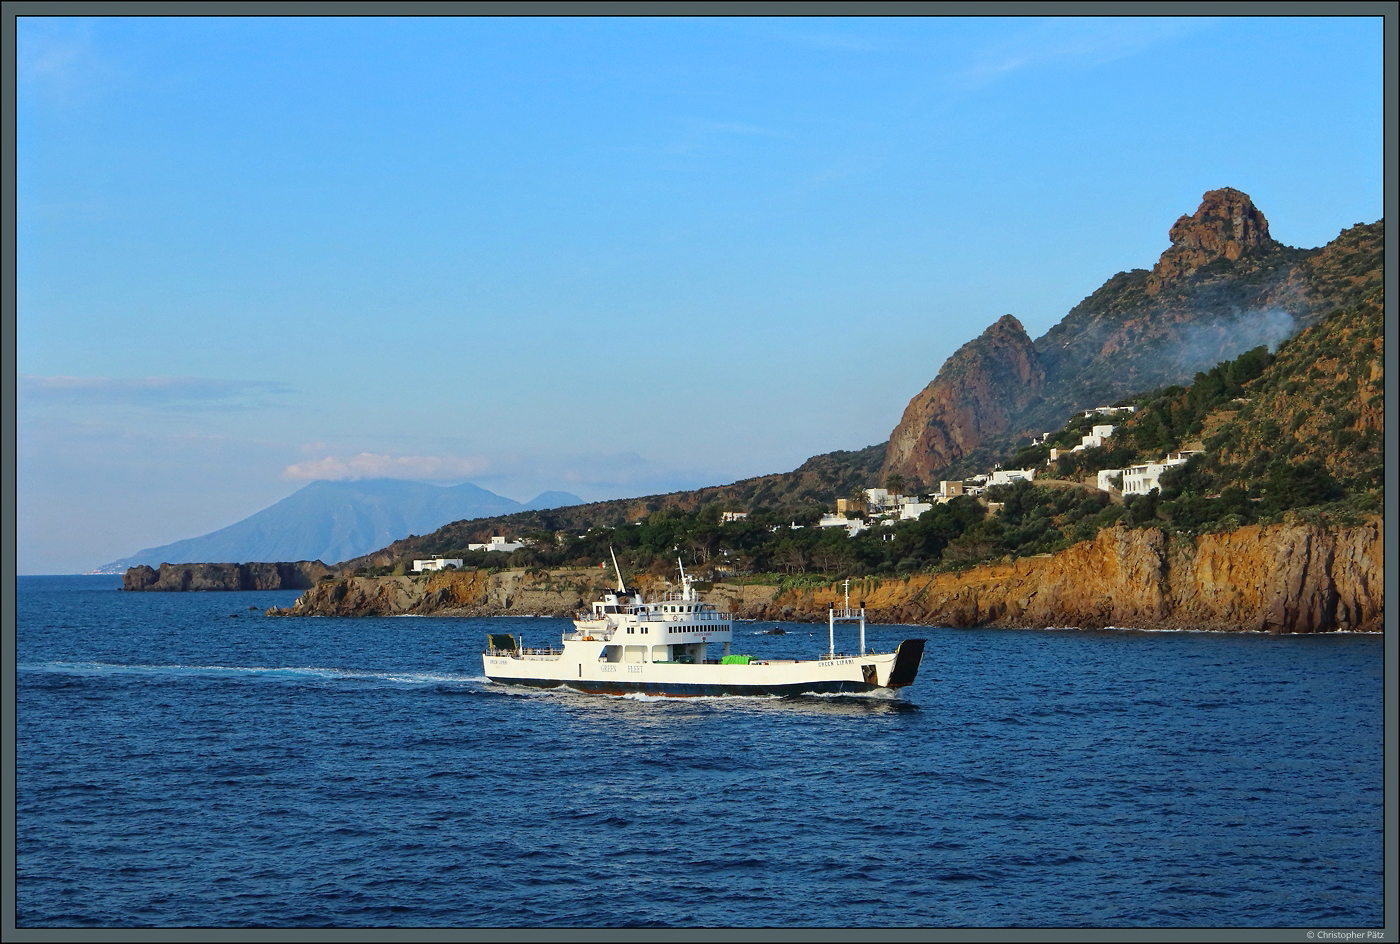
{"x":1288,"y":578}
{"x":978,"y":390}
{"x":456,"y":593}
{"x":142,"y":577}
{"x":282,"y":575}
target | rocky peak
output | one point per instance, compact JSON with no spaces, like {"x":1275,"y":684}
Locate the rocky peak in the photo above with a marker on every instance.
{"x":974,"y":396}
{"x":1227,"y":223}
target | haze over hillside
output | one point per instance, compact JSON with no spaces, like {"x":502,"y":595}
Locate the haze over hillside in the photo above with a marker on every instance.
{"x":335,"y":521}
{"x":1223,"y":287}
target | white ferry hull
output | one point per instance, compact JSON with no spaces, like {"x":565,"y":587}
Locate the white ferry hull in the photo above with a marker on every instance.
{"x":578,"y":667}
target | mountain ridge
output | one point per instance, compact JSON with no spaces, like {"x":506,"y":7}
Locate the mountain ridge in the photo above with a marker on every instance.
{"x":1222,"y":287}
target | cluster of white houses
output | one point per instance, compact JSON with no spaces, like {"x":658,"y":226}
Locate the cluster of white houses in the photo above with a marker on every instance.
{"x":887,"y":508}
{"x":497,"y":543}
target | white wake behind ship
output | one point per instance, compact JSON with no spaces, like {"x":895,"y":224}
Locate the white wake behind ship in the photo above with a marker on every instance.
{"x":662,"y":647}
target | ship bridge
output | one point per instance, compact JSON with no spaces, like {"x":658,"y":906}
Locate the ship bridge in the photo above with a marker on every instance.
{"x":676,"y":628}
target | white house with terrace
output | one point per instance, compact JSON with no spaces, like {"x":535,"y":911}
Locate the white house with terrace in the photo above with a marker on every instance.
{"x":1141,"y":479}
{"x":436,"y":563}
{"x":498,"y":543}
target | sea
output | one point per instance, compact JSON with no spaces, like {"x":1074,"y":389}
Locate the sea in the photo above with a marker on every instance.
{"x":184,"y":760}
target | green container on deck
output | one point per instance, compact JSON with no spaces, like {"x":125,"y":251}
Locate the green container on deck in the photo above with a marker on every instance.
{"x":735,"y":660}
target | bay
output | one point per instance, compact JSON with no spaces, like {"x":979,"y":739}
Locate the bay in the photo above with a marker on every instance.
{"x":185,"y":761}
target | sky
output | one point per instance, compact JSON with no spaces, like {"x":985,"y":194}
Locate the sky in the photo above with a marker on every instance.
{"x":613,"y":256}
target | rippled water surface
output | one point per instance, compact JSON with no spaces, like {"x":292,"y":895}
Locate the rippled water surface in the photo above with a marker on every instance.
{"x":179,"y":767}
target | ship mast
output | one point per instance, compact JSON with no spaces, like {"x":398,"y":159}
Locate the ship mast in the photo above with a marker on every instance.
{"x":846,"y":615}
{"x":621,"y":587}
{"x":685,"y":581}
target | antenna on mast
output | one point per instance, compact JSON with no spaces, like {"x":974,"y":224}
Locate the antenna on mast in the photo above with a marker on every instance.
{"x":621,"y":586}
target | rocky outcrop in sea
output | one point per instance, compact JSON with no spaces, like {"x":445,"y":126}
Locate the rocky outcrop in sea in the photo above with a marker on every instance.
{"x":282,"y":575}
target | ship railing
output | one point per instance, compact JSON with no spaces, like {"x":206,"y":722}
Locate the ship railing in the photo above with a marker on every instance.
{"x":542,"y":651}
{"x":593,"y":635}
{"x":846,"y":613}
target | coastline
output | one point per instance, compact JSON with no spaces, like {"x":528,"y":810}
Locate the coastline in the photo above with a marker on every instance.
{"x":1284,"y":578}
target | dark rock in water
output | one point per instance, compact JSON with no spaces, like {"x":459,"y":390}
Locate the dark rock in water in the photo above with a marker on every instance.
{"x":775,"y":631}
{"x":284,"y":575}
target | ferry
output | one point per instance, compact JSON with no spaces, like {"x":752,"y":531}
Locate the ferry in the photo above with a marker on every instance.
{"x":627,"y":644}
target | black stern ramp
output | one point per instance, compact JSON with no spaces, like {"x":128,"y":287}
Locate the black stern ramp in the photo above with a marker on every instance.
{"x":907,"y":656}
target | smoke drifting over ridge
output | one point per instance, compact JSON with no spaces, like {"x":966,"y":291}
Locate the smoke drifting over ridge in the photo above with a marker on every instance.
{"x":1203,"y":345}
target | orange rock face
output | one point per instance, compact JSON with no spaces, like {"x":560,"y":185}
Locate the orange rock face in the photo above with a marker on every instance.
{"x":1288,"y":578}
{"x":974,"y":395}
{"x":1226,"y":224}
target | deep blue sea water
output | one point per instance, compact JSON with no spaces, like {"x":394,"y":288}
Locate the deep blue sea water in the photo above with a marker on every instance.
{"x":179,"y":767}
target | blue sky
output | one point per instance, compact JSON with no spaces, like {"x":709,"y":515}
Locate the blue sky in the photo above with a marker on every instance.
{"x":612,"y":256}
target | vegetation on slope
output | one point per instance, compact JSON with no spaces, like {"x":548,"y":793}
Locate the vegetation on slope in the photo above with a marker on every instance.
{"x":1297,"y":431}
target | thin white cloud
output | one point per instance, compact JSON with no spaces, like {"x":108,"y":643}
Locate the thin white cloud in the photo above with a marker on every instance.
{"x":165,"y":393}
{"x":1079,"y":40}
{"x":368,"y":465}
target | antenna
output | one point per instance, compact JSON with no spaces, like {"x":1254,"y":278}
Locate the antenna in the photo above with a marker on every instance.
{"x":621,"y":586}
{"x":685,"y":581}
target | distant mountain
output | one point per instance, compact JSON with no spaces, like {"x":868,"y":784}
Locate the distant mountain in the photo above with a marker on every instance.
{"x":335,"y":521}
{"x":546,"y":500}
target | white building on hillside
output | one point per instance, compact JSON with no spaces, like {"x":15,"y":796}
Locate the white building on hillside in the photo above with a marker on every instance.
{"x":1141,"y":479}
{"x":1095,"y":439}
{"x":1109,"y":409}
{"x":437,"y":563}
{"x":947,"y":491}
{"x":853,"y":526}
{"x":911,"y":510}
{"x":1106,"y":477}
{"x":1007,"y":476}
{"x":498,"y":543}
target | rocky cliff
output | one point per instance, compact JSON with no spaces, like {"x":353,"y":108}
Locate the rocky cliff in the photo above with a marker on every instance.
{"x":1226,"y":225}
{"x":461,"y":593}
{"x":988,"y":381}
{"x":1287,"y":578}
{"x":284,"y":575}
{"x":1295,"y":578}
{"x":1223,"y":286}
